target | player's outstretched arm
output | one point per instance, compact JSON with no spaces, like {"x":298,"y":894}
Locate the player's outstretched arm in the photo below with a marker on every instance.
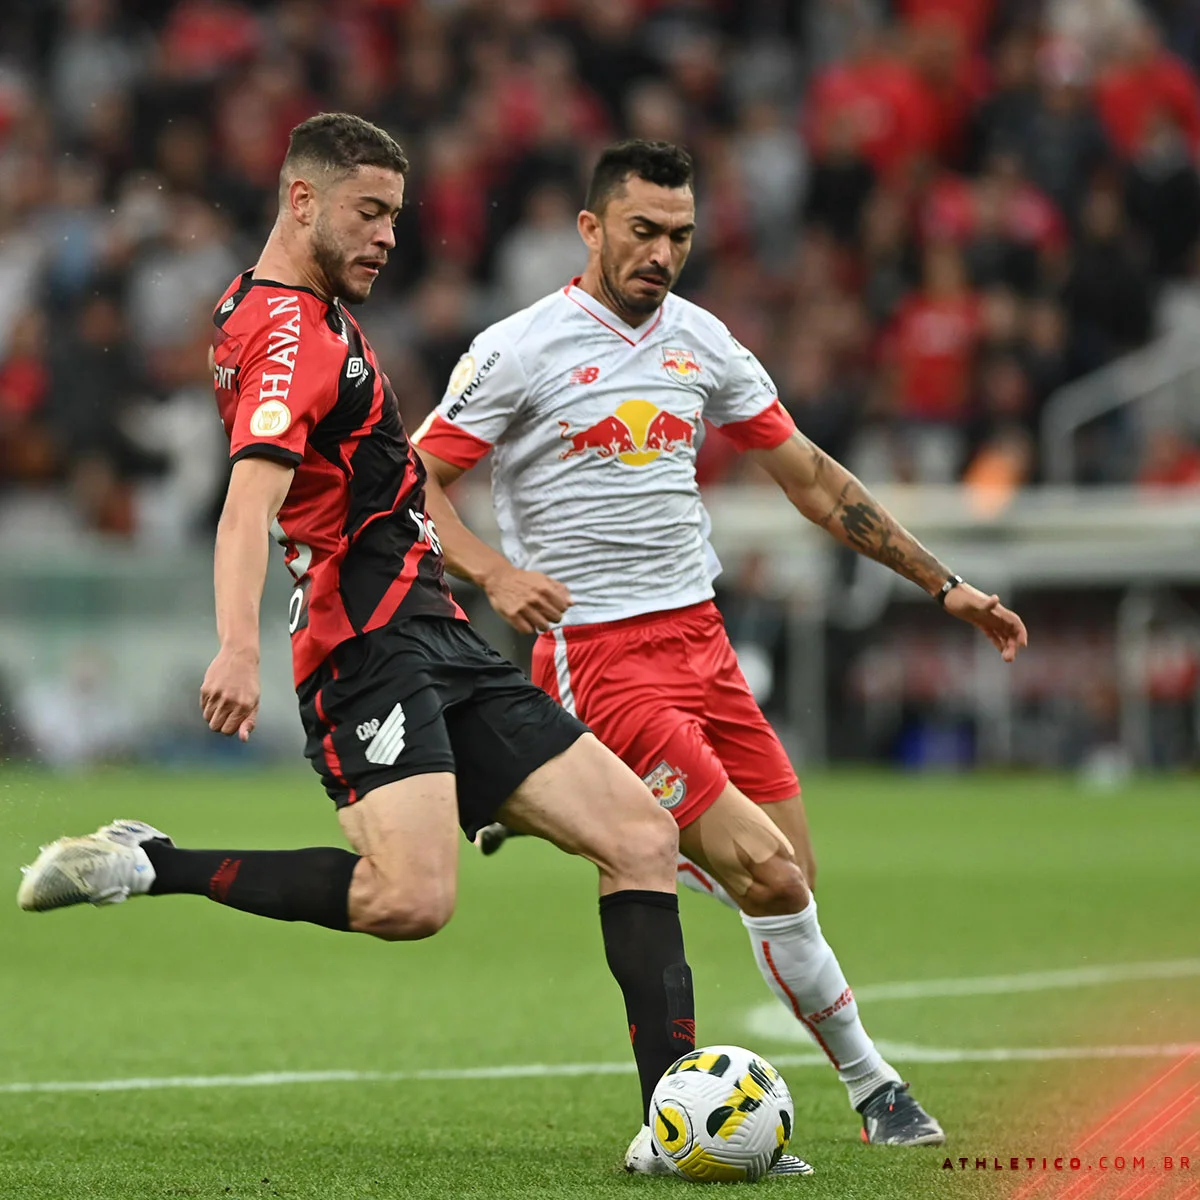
{"x":229,"y":694}
{"x":830,"y":496}
{"x":528,"y":600}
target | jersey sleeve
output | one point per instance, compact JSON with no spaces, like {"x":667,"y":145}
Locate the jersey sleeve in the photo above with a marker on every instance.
{"x":485,"y":391}
{"x":744,"y":403}
{"x":286,"y":382}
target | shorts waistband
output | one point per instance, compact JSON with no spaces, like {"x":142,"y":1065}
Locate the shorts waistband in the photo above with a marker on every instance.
{"x":659,"y":616}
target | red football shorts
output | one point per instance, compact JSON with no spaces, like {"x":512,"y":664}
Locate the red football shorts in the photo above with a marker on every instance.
{"x":665,"y":692}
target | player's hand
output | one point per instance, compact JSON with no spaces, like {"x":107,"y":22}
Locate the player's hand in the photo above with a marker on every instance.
{"x":1004,"y":628}
{"x":230,"y":692}
{"x":528,"y":600}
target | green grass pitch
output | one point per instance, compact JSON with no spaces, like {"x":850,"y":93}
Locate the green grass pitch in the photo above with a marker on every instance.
{"x":921,"y":879}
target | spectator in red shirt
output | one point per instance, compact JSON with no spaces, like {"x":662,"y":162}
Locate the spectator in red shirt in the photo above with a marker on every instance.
{"x":931,"y":343}
{"x":893,"y":119}
{"x":26,"y":450}
{"x":951,"y":82}
{"x":1144,"y":81}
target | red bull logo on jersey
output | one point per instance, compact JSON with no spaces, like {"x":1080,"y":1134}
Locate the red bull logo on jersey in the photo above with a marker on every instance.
{"x":680,"y":362}
{"x":636,"y":434}
{"x":667,"y":784}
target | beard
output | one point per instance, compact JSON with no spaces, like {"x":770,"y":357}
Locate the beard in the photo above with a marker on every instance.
{"x":333,"y":263}
{"x":641,"y":305}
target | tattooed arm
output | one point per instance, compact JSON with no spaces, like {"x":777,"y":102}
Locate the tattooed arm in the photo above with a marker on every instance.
{"x":830,"y":496}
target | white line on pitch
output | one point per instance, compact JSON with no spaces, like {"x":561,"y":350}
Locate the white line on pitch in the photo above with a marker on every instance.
{"x":771,"y":1020}
{"x":900,"y":1052}
{"x":1030,"y":981}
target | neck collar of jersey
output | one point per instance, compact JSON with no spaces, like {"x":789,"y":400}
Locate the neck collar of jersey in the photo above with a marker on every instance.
{"x":609,"y":319}
{"x":253,"y":281}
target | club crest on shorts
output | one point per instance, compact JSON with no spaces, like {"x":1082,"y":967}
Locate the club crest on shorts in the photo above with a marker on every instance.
{"x":667,"y":784}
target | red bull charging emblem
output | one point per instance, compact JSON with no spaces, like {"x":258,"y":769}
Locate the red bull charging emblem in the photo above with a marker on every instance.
{"x":680,"y":362}
{"x":636,"y":434}
{"x":667,"y":784}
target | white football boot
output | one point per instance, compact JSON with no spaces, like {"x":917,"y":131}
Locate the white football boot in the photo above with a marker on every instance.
{"x":104,"y":867}
{"x":132,"y":833}
{"x":643,"y":1158}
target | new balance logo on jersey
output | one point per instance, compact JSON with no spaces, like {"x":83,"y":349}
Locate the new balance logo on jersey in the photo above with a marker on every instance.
{"x":387,"y":738}
{"x":585,"y":374}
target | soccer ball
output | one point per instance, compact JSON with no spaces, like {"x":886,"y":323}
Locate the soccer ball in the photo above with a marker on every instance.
{"x":721,"y":1115}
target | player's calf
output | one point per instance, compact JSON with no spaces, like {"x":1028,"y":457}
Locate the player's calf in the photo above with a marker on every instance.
{"x":399,"y":912}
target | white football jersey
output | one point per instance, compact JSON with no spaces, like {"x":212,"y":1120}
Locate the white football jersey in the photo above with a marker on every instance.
{"x":595,"y":427}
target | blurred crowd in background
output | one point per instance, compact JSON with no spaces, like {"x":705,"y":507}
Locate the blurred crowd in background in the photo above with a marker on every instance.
{"x":924,"y":215}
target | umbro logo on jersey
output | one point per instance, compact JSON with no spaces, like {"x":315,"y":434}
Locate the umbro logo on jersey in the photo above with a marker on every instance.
{"x":227,"y":305}
{"x":356,"y":368}
{"x":386,"y":738}
{"x":585,"y":374}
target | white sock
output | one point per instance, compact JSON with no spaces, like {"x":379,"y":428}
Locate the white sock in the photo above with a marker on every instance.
{"x":801,"y":969}
{"x":688,"y":875}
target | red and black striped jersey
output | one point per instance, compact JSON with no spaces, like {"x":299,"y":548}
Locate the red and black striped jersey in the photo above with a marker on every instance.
{"x":296,"y":381}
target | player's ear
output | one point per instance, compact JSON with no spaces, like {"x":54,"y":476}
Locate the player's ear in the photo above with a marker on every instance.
{"x":302,"y":201}
{"x":588,"y":224}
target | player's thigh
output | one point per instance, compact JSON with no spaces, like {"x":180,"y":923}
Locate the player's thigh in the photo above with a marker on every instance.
{"x":639,"y":711}
{"x":748,"y":853}
{"x":377,"y":737}
{"x":752,"y":754}
{"x":407,"y":834}
{"x":587,"y":802}
{"x":502,"y":729}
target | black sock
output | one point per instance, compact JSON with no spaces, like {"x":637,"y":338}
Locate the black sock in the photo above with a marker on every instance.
{"x":288,"y":885}
{"x":643,"y":942}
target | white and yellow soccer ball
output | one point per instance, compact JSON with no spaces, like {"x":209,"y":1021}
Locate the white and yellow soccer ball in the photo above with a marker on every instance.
{"x":721,"y":1115}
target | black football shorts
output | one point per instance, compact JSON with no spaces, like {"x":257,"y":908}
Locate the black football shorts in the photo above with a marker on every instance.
{"x":429,"y":694}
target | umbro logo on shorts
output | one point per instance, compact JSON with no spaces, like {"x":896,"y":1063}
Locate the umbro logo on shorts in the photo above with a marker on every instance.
{"x":387,"y":738}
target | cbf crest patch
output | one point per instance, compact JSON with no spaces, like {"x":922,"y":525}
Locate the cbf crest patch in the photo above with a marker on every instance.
{"x":680,"y":362}
{"x":667,"y":784}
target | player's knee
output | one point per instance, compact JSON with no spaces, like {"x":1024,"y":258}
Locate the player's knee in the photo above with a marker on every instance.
{"x":649,"y":847}
{"x":777,"y":887}
{"x":408,"y":917}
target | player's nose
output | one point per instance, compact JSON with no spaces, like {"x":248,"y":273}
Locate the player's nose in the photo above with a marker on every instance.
{"x":385,"y":236}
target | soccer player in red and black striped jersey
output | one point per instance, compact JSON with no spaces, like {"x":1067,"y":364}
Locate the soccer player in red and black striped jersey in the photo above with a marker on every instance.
{"x":414,"y":723}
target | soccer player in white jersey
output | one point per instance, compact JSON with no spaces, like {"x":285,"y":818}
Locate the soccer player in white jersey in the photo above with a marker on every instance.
{"x":592,"y":403}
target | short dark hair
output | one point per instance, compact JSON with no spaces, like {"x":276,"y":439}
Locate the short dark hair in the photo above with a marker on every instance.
{"x":662,"y":163}
{"x":339,"y":143}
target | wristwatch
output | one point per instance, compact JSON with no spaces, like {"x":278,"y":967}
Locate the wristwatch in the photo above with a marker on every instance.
{"x":947,"y":588}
